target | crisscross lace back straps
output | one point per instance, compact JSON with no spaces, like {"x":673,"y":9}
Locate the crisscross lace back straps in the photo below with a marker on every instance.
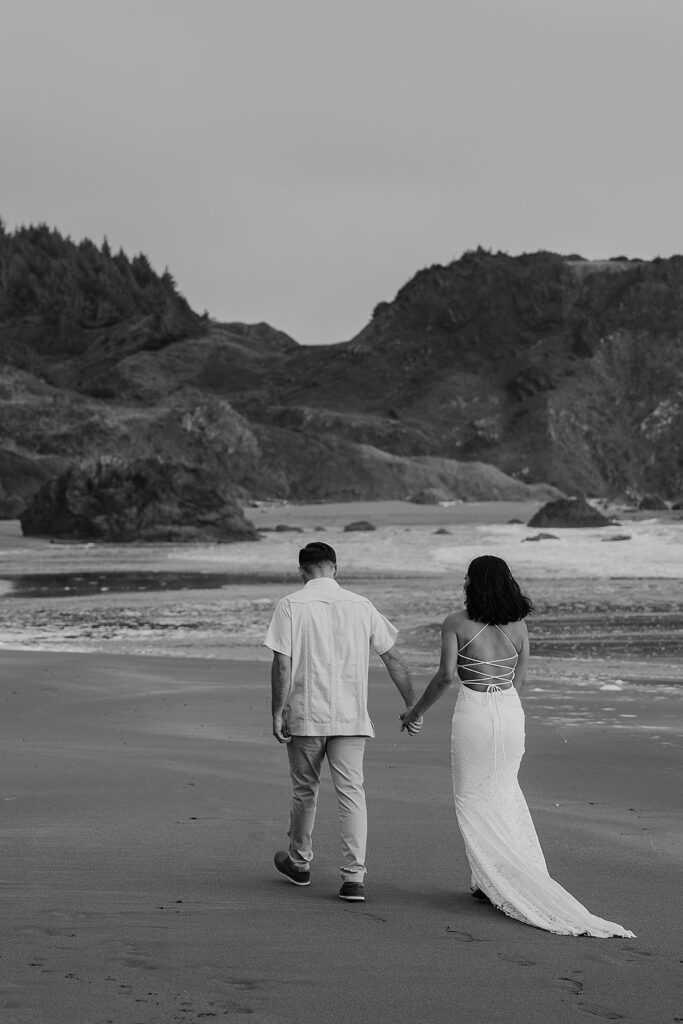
{"x":492,"y":672}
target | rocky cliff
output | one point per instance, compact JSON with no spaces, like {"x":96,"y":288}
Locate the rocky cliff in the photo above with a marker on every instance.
{"x":553,"y":369}
{"x":493,"y":377}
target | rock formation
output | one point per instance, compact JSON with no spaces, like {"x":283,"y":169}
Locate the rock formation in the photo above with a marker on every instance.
{"x":148,"y":499}
{"x":494,"y":377}
{"x":429,"y":496}
{"x":652,"y":502}
{"x":567,"y":512}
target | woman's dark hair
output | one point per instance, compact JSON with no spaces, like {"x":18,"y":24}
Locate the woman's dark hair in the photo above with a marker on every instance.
{"x":492,"y":593}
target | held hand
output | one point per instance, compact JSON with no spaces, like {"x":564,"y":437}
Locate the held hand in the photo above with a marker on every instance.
{"x":281,"y":729}
{"x":411,"y":722}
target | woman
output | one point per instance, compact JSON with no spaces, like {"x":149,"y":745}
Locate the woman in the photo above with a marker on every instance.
{"x":488,"y":644}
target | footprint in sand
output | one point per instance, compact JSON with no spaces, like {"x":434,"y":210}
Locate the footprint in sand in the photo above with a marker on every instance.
{"x":142,"y":962}
{"x":600,"y":1011}
{"x":464,"y":936}
{"x":572,"y":985}
{"x":519,"y":960}
{"x":636,"y":953}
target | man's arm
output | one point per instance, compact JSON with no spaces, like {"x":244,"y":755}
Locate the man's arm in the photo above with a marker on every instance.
{"x":400,"y":674}
{"x":280,"y":683}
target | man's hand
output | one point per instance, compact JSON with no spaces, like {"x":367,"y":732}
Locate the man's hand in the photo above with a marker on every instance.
{"x":281,"y":729}
{"x":411,"y":722}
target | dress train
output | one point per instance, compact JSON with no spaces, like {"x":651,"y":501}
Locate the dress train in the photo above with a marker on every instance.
{"x":502,"y":847}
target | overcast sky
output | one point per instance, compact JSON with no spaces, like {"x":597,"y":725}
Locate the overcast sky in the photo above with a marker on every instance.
{"x":297,"y":161}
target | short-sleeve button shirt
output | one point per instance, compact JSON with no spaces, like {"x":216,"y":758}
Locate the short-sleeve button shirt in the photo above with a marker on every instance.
{"x":328,"y":632}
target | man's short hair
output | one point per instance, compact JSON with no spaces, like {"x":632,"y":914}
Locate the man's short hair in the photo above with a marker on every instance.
{"x":317,"y":553}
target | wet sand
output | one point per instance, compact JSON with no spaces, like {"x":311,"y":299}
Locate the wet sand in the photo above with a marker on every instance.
{"x":143,"y":800}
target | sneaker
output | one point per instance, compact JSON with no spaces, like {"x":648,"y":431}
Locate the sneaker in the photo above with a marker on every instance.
{"x":352,"y":891}
{"x":285,"y":867}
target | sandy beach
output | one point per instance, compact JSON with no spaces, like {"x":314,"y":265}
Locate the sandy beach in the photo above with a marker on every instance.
{"x":144,"y":795}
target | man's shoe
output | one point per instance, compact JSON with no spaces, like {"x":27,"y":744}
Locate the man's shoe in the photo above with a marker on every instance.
{"x":284,"y":865}
{"x":352,"y":891}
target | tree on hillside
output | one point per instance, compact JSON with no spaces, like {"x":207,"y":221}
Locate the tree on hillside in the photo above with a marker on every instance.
{"x":54,"y":293}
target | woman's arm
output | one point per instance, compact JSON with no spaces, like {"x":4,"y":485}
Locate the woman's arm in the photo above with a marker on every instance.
{"x":441,"y":680}
{"x":522,"y":662}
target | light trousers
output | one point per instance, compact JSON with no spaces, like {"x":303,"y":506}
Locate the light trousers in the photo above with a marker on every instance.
{"x":345,"y":758}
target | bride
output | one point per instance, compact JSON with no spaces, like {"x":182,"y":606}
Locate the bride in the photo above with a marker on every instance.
{"x":488,"y":644}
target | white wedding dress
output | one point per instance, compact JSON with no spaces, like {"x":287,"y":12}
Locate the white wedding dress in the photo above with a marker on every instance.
{"x":502,"y":847}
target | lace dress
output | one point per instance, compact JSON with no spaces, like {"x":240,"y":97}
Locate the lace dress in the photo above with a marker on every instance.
{"x":502,"y":847}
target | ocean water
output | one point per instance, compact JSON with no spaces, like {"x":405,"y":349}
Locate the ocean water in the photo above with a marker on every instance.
{"x":595,"y":595}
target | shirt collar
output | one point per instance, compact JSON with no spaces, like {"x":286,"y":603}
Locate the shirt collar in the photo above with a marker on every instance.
{"x":322,"y":580}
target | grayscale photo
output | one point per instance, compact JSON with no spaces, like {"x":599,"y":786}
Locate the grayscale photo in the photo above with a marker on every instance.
{"x":341,"y":511}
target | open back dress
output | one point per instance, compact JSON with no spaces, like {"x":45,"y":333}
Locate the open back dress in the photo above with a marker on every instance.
{"x":503,"y":850}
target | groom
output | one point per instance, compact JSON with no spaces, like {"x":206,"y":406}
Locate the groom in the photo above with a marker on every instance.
{"x":321,"y":637}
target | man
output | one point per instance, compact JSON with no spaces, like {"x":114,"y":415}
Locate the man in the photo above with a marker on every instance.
{"x":321,"y":639}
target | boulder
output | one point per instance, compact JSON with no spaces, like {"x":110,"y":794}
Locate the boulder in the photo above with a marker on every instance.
{"x":541,"y":536}
{"x":568,"y":513}
{"x":652,"y":502}
{"x":359,"y":524}
{"x":429,"y":496}
{"x":147,"y":499}
{"x":11,"y":507}
{"x":20,"y":477}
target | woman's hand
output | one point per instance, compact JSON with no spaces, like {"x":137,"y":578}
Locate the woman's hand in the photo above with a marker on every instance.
{"x":411,"y":722}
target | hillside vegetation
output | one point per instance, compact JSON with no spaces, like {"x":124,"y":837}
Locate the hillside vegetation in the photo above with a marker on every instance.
{"x":494,"y":376}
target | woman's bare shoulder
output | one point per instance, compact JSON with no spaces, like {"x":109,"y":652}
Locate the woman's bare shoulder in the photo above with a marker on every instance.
{"x":517,"y":631}
{"x":454,"y":620}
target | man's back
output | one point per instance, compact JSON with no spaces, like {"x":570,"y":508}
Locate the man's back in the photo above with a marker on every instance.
{"x":328,"y":632}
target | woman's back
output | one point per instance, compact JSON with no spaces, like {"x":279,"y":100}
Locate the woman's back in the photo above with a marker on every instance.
{"x":488,"y":653}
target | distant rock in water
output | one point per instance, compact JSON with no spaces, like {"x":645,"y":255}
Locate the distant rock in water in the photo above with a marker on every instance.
{"x":652,"y":502}
{"x":541,"y":536}
{"x":359,"y":525}
{"x":147,"y":499}
{"x":429,"y":496}
{"x":568,"y":513}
